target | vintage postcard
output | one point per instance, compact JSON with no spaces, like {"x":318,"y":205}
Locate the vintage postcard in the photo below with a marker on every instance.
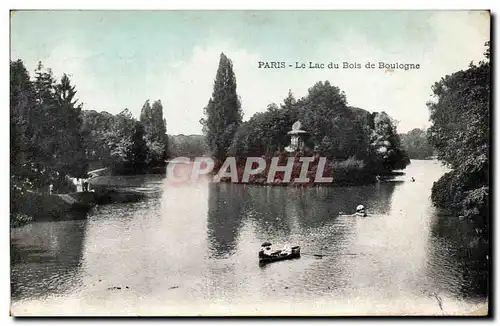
{"x":249,"y":163}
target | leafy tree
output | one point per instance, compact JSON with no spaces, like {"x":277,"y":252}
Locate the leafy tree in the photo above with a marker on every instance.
{"x":145,"y":117}
{"x":335,"y":129}
{"x":158,"y":138}
{"x":120,"y":137}
{"x":223,"y":112}
{"x":46,"y":137}
{"x":70,"y":153}
{"x":22,"y":144}
{"x":266,"y":133}
{"x":158,"y":122}
{"x":95,"y":129}
{"x":258,"y":136}
{"x":416,"y":144}
{"x":155,"y":133}
{"x":286,"y":117}
{"x":53,"y":142}
{"x":387,"y":144}
{"x":138,"y":151}
{"x":187,"y":146}
{"x":22,"y":102}
{"x":117,"y":141}
{"x":460,"y":117}
{"x":323,"y":111}
{"x":460,"y":113}
{"x":45,"y":116}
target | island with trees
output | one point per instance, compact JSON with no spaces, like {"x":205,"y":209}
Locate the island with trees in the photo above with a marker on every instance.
{"x":358,"y":144}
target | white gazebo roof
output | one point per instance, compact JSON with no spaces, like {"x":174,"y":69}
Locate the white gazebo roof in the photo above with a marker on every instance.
{"x":293,"y":132}
{"x":296,"y":129}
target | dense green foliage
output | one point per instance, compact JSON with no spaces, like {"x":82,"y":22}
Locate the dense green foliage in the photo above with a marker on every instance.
{"x":187,"y":146}
{"x":45,"y":126}
{"x":266,"y":132}
{"x":417,"y":145}
{"x":47,"y":145}
{"x":223,"y":112}
{"x":53,"y":139}
{"x":123,"y":143}
{"x":19,"y":219}
{"x":335,"y":131}
{"x":460,"y":133}
{"x":155,"y":133}
{"x":386,"y":143}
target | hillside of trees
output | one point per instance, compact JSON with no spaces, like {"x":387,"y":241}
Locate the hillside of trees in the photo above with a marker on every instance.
{"x":460,"y":113}
{"x":417,"y":145}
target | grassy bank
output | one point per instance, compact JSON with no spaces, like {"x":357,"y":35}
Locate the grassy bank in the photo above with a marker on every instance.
{"x":19,"y":219}
{"x":71,"y":206}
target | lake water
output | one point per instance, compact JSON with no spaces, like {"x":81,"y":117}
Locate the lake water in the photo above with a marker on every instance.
{"x":193,"y":250}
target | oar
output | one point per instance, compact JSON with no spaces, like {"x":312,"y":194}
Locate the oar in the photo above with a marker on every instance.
{"x":323,"y":255}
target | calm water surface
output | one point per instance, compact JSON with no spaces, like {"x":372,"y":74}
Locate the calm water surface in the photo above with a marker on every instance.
{"x":192,"y":249}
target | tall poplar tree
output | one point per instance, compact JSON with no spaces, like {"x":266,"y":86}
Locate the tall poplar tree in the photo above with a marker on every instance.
{"x":155,"y":128}
{"x":223,"y":112}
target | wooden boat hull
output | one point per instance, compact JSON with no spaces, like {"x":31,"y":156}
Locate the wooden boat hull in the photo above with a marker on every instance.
{"x":276,"y":256}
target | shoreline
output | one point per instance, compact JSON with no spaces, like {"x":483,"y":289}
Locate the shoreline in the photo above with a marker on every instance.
{"x":68,"y":206}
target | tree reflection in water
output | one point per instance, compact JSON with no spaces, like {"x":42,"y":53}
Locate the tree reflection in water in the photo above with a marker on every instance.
{"x":465,"y":245}
{"x":49,"y":261}
{"x":284,"y":211}
{"x":225,"y":207}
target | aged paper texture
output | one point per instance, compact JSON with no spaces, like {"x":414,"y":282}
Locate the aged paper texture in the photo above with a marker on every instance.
{"x":249,"y":163}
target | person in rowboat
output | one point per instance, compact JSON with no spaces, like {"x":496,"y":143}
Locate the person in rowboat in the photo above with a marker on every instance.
{"x":287,"y":250}
{"x":360,"y":211}
{"x":266,"y":250}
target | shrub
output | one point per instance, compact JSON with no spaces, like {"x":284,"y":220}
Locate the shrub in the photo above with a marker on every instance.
{"x":19,"y":219}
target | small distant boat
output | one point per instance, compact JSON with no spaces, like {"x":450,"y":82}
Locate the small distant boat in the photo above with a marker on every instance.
{"x":279,"y":255}
{"x":360,"y":211}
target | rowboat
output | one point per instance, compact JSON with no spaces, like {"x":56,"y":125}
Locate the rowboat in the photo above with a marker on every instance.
{"x":279,"y":255}
{"x":360,"y":211}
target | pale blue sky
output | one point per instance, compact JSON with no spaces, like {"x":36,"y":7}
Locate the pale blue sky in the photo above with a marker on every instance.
{"x":119,"y":59}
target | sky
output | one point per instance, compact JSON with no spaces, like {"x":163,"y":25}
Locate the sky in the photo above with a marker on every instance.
{"x":120,"y":59}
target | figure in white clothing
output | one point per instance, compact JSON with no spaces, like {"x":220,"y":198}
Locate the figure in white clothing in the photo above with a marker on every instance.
{"x":265,"y":249}
{"x":287,"y":250}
